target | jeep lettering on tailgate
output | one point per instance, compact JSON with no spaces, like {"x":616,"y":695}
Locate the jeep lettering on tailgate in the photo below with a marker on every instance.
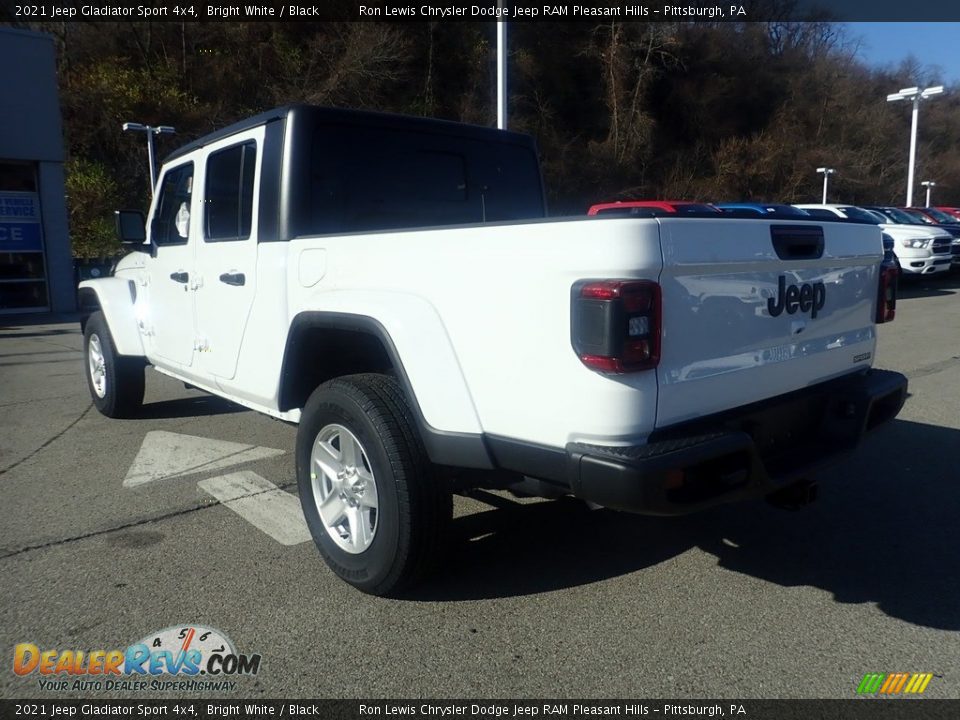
{"x":808,"y":297}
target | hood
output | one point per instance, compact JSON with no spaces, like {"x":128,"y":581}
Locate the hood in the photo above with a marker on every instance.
{"x":899,"y":232}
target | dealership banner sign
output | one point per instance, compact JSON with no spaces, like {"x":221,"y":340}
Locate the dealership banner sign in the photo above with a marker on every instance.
{"x":20,"y":222}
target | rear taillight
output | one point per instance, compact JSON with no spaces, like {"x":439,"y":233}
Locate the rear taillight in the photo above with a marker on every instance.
{"x":616,"y":325}
{"x":887,"y":293}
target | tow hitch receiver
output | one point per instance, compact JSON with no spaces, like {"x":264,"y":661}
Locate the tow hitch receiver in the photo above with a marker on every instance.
{"x":794,"y":496}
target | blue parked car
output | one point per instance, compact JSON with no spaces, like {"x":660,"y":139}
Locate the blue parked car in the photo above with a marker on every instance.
{"x":765,"y":209}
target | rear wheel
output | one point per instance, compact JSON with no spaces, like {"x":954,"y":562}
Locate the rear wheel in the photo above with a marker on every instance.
{"x":115,"y":381}
{"x":372,"y":500}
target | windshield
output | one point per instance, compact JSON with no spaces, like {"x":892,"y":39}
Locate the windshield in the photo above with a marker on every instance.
{"x":788,"y":210}
{"x":899,"y":216}
{"x":920,"y":216}
{"x":855,"y":213}
{"x":940,"y":216}
{"x":694,"y":208}
{"x":765,"y":209}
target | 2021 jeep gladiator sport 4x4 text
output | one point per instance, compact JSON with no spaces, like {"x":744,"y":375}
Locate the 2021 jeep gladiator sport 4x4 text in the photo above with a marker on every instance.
{"x":392,"y":285}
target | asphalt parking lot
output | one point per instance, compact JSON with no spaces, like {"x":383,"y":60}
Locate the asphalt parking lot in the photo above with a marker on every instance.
{"x":112,"y":530}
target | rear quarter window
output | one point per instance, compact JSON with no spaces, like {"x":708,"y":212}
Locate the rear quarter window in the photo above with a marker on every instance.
{"x":365,"y":178}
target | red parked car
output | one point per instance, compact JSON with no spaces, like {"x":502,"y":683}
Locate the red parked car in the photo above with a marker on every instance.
{"x":955,"y":212}
{"x":933,"y":216}
{"x":656,"y":207}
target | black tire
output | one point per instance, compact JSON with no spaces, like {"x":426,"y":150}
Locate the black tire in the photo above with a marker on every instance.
{"x":122,"y":392}
{"x":414,"y":509}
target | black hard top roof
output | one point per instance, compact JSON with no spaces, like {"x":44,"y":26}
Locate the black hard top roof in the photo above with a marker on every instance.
{"x":354,"y":117}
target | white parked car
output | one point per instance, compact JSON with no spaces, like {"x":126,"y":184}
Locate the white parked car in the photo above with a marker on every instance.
{"x":920,"y":250}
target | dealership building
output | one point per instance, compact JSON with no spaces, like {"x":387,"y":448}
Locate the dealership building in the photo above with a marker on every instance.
{"x":36,"y":265}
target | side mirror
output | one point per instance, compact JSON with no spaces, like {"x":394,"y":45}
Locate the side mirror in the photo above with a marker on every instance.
{"x":131,"y":229}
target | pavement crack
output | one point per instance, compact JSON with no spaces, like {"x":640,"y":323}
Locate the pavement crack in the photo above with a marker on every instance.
{"x":4,"y":554}
{"x":933,"y":368}
{"x":66,"y":347}
{"x":46,"y":444}
{"x":42,"y":399}
{"x":194,"y":469}
{"x":97,"y":533}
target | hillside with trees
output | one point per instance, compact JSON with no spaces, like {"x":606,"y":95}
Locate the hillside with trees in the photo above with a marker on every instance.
{"x":706,"y":111}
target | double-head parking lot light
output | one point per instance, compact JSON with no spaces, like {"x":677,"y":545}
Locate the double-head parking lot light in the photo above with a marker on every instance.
{"x":150,"y":130}
{"x":915,"y":95}
{"x":928,"y":184}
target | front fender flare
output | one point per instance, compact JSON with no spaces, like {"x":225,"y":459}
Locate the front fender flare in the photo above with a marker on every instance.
{"x":115,"y":299}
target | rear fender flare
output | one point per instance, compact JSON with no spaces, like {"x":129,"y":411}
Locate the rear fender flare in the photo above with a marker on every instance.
{"x":414,"y":338}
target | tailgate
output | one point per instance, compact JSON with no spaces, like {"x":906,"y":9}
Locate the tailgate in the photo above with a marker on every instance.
{"x":757,"y":308}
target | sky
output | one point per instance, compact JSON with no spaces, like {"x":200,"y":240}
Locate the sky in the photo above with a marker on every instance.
{"x":887,"y":43}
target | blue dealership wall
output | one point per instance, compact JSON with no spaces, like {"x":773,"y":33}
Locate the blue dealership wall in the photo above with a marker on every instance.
{"x":33,"y":218}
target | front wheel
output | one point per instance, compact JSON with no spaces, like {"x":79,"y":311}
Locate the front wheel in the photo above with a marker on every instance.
{"x":115,"y":381}
{"x":374,"y":505}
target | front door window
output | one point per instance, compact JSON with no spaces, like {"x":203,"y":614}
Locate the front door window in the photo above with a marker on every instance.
{"x":172,"y":270}
{"x":171,"y":221}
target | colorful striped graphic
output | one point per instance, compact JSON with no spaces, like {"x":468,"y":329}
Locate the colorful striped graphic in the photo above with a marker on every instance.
{"x":894,"y":683}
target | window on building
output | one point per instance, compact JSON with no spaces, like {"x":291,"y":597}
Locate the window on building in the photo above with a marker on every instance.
{"x":17,"y":177}
{"x":23,"y":274}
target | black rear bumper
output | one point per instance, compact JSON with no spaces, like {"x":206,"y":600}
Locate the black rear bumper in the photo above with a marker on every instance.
{"x":750,"y":452}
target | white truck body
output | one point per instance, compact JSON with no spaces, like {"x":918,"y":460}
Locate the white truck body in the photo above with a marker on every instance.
{"x":484,"y":326}
{"x":450,"y":317}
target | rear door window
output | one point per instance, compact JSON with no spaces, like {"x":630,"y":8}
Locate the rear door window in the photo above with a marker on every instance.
{"x":228,"y":193}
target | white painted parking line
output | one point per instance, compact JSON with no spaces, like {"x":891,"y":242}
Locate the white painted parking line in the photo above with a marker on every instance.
{"x":262,"y":504}
{"x":167,"y":455}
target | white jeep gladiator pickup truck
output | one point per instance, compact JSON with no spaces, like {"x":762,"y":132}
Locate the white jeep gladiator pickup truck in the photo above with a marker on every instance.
{"x":391,"y":284}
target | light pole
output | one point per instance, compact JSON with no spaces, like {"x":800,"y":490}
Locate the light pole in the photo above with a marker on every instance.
{"x":150,"y":131}
{"x":915,"y":95}
{"x":928,"y":184}
{"x":501,"y":69}
{"x":827,"y":172}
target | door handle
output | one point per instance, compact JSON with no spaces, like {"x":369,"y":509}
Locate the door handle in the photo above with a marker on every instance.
{"x":180,"y":277}
{"x":233,"y":278}
{"x":797,"y":242}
